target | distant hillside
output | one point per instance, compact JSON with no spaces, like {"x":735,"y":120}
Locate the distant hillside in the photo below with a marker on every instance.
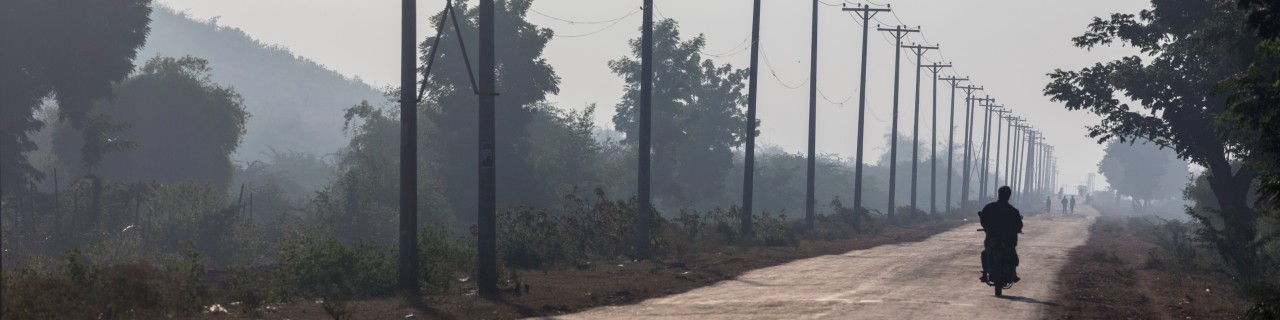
{"x":296,"y":104}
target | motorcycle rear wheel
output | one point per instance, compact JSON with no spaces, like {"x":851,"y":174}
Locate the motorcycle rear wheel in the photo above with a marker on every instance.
{"x":999,"y":289}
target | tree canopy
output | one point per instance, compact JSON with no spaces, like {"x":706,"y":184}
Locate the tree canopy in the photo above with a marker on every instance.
{"x":71,"y":51}
{"x":1143,"y":171}
{"x":697,"y":114}
{"x":183,"y":126}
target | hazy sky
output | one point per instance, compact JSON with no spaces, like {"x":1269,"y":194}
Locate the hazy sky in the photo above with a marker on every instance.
{"x":1006,"y":46}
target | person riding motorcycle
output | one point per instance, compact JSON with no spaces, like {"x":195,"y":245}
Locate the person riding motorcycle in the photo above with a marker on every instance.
{"x":1001,"y":222}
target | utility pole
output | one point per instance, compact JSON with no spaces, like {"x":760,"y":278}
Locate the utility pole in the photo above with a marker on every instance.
{"x":986,"y":152}
{"x":915,"y":127}
{"x":866,"y":13}
{"x":999,"y":116}
{"x":1018,"y":169}
{"x":933,"y":142}
{"x":1008,"y":149}
{"x":1028,"y":174}
{"x":487,"y":277}
{"x":748,"y":177}
{"x":813,"y":122}
{"x":951,"y":136}
{"x":898,"y":33}
{"x":643,"y":200}
{"x":969,"y":101}
{"x":408,"y":267}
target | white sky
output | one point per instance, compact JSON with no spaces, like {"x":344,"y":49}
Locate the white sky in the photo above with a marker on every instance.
{"x":1006,"y":46}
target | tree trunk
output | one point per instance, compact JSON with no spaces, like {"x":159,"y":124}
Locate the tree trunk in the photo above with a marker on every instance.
{"x":1239,"y":227}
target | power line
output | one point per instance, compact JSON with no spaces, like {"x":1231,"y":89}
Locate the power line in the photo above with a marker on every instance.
{"x":774,"y":72}
{"x":841,"y":103}
{"x":615,"y":22}
{"x":738,"y":49}
{"x":583,"y":22}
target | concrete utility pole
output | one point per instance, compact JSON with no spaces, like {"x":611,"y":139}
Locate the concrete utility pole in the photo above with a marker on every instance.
{"x":487,"y":277}
{"x":1031,"y":165}
{"x":951,"y":136}
{"x":1008,"y":149}
{"x":999,"y":116}
{"x":1017,"y":159}
{"x":643,"y":197}
{"x":866,"y":13}
{"x":408,"y":268}
{"x":915,"y":126}
{"x":976,"y":152}
{"x":933,"y":142}
{"x":813,"y":122}
{"x":969,"y":101}
{"x":749,"y":163}
{"x":986,"y":152}
{"x":898,"y":33}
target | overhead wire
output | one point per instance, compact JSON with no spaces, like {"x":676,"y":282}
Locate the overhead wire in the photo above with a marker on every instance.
{"x":774,"y":72}
{"x":611,"y":25}
{"x":581,"y":22}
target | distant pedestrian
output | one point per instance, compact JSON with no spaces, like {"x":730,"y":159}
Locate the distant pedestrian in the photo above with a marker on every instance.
{"x":1064,"y":205}
{"x":1073,"y":204}
{"x":1048,"y":204}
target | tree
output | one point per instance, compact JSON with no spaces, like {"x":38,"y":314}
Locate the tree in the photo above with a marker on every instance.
{"x":697,"y":115}
{"x":1193,"y":45}
{"x":71,"y":50}
{"x":1143,"y":171}
{"x":184,"y":126}
{"x":1256,"y":92}
{"x":451,"y":118}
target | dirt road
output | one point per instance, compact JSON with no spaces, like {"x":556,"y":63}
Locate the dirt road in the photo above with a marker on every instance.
{"x":933,"y":279}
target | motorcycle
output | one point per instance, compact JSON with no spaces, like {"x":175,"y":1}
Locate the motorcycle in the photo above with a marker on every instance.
{"x":1001,"y":266}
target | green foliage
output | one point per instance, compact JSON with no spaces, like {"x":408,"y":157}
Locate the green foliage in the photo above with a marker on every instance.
{"x":697,"y":115}
{"x":296,"y":103}
{"x":315,"y":267}
{"x":1192,"y":46}
{"x":1143,"y":171}
{"x":94,"y":45}
{"x":82,"y":288}
{"x":184,"y":126}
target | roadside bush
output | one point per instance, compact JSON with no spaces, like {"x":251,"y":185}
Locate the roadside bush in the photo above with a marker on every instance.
{"x":82,"y":289}
{"x":443,"y":257}
{"x":325,"y":268}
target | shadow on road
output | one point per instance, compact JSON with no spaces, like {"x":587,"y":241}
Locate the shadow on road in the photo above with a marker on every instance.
{"x":1028,"y":300}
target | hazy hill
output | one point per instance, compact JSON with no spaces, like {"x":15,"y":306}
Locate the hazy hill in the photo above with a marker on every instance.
{"x":296,"y":104}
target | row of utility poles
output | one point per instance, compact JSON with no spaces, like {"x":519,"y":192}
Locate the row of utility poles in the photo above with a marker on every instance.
{"x":1035,"y":177}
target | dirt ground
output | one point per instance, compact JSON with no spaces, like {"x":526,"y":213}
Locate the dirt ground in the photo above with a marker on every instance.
{"x":932,"y":279}
{"x":1109,"y":278}
{"x":566,"y":291}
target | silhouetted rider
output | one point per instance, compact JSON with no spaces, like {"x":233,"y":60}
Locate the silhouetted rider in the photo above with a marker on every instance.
{"x":1002,"y":222}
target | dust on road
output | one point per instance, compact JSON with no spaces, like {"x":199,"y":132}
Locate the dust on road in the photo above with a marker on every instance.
{"x":932,"y":279}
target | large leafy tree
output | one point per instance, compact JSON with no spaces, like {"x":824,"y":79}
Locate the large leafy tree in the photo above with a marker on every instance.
{"x":1189,"y":47}
{"x":451,"y":117}
{"x":183,"y":126}
{"x":697,"y":115}
{"x":1143,"y":171}
{"x":1256,"y":93}
{"x":70,"y":50}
